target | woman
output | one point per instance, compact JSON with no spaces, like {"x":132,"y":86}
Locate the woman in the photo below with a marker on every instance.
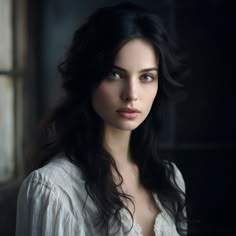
{"x":100,"y":170}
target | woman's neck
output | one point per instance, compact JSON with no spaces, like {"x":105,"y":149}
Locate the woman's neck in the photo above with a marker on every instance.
{"x":117,"y":143}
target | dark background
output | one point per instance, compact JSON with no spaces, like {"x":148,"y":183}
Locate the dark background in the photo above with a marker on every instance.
{"x":199,"y":131}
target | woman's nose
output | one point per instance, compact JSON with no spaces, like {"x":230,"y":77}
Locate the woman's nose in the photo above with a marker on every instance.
{"x":129,"y":92}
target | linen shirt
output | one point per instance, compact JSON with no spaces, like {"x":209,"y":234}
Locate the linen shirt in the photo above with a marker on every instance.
{"x":51,"y":203}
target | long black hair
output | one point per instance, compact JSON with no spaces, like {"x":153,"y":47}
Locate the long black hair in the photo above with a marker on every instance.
{"x":74,"y":128}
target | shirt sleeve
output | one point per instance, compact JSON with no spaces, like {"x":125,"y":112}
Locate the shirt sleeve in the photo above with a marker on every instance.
{"x":181,"y":184}
{"x":179,"y":178}
{"x":40,"y":212}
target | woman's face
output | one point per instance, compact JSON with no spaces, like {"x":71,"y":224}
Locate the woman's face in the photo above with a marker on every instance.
{"x":124,"y":98}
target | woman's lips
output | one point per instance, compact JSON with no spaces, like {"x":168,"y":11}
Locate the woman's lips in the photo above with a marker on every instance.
{"x":128,"y":113}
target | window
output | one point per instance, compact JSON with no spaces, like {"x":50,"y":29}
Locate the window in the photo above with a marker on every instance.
{"x":12,"y":21}
{"x":6,"y":92}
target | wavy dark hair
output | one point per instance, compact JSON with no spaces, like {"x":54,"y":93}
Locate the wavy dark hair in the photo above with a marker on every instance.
{"x":74,"y":128}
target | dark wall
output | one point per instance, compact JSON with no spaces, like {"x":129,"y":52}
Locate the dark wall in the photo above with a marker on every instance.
{"x":205,"y":30}
{"x":206,"y":119}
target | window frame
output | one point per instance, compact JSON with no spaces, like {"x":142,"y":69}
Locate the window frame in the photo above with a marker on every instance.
{"x":18,"y":74}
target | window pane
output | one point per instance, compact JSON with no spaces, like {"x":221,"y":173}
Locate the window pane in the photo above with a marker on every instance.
{"x":6,"y":128}
{"x":5,"y":35}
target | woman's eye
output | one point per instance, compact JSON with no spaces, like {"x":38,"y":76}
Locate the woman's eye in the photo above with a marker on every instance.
{"x":147,"y":78}
{"x":114,"y":75}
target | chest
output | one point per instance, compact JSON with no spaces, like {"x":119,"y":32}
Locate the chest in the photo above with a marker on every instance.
{"x":144,"y":208}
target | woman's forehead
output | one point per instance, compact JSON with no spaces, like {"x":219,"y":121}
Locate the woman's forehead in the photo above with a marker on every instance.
{"x":136,"y":53}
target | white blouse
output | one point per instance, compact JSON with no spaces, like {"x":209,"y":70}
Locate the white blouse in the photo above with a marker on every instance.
{"x":51,"y":201}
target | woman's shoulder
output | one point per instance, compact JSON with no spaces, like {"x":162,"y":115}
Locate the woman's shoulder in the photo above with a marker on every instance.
{"x":178,"y":176}
{"x":59,"y":180}
{"x":50,"y":193}
{"x":59,"y":171}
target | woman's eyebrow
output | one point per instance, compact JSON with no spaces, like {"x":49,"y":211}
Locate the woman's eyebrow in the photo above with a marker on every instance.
{"x":143,"y":70}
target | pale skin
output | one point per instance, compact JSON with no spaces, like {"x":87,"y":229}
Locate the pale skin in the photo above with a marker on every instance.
{"x":133,"y":83}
